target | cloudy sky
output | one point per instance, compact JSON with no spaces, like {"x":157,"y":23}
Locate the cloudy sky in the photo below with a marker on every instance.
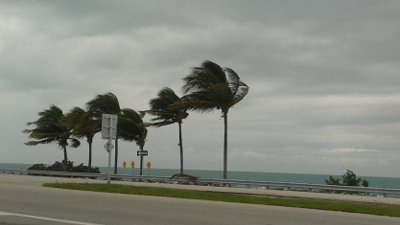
{"x":323,"y":75}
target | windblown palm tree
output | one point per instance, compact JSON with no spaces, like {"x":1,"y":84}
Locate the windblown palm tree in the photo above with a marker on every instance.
{"x":132,"y":128}
{"x":166,"y":115}
{"x":52,"y":127}
{"x":210,"y":87}
{"x":106,"y":103}
{"x":83,"y":125}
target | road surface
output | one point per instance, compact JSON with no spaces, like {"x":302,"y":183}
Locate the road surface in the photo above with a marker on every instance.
{"x":24,"y":202}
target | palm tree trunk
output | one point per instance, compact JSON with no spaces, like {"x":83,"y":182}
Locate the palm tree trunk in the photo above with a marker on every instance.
{"x":116,"y":156}
{"x":225,"y":114}
{"x":90,"y":154}
{"x":141,"y":162}
{"x":181,"y":146}
{"x":65,"y":161}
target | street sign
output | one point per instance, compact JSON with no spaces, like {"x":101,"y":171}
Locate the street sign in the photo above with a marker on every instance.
{"x":133,"y":164}
{"x":142,"y":153}
{"x":109,"y":126}
{"x":109,"y":146}
{"x":148,"y":165}
{"x":124,"y":164}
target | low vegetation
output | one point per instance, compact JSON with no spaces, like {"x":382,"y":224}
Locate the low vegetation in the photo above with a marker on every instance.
{"x":343,"y":206}
{"x":69,"y":166}
{"x":349,"y":178}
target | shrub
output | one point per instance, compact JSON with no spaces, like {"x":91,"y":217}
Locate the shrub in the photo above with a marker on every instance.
{"x":82,"y":168}
{"x":58,"y":166}
{"x":39,"y":166}
{"x":332,"y":181}
{"x":349,"y":179}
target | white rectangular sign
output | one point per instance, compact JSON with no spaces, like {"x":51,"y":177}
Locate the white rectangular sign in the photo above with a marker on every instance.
{"x":142,"y":153}
{"x":109,"y":126}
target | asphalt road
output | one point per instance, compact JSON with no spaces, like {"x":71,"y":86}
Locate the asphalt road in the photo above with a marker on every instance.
{"x":24,"y":202}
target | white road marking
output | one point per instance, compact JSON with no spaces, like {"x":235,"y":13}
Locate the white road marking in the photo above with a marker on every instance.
{"x":2,"y":213}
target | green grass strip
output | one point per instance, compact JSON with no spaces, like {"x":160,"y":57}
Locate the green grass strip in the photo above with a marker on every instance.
{"x":343,"y":206}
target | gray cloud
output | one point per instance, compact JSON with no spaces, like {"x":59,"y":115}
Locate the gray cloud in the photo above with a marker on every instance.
{"x":323,"y":77}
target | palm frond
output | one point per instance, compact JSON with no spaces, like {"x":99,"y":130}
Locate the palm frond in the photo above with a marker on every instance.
{"x":142,"y":113}
{"x":199,"y":80}
{"x":209,"y":86}
{"x":215,"y":70}
{"x":203,"y":77}
{"x":50,"y":127}
{"x":243,"y":90}
{"x":44,"y":141}
{"x":233,"y":80}
{"x":43,"y":134}
{"x":161,"y":124}
{"x":194,"y":105}
{"x":106,"y":103}
{"x":74,"y":117}
{"x":27,"y":131}
{"x":131,"y":115}
{"x":75,"y":143}
{"x":161,"y":110}
{"x":130,"y":125}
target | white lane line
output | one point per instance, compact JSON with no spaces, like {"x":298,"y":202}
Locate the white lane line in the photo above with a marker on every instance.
{"x":2,"y":213}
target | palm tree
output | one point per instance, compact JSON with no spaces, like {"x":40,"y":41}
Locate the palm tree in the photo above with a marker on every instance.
{"x":166,"y":115}
{"x":106,"y":103}
{"x":83,"y":126}
{"x":212,"y":87}
{"x":52,"y":127}
{"x":132,"y":128}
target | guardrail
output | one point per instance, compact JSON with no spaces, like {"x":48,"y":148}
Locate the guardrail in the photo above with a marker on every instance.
{"x":10,"y":171}
{"x":304,"y":187}
{"x":288,"y":186}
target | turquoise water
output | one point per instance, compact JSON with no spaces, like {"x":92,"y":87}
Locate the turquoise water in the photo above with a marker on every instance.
{"x":379,"y":182}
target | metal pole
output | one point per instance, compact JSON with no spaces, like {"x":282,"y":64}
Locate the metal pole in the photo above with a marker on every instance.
{"x":109,"y":154}
{"x":141,"y":165}
{"x":109,"y":161}
{"x":107,"y":128}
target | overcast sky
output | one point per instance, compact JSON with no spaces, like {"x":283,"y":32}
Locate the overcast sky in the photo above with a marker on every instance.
{"x":323,"y":75}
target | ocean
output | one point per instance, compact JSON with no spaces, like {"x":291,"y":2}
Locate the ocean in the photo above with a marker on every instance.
{"x":378,"y":182}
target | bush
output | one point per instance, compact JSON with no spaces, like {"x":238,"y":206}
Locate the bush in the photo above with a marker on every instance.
{"x":349,"y":179}
{"x":58,"y":166}
{"x":40,"y":166}
{"x":184,"y":178}
{"x":364,"y":183}
{"x":82,"y":168}
{"x":332,"y":181}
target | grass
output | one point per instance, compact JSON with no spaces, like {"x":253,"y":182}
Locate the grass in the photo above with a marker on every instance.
{"x":343,"y":206}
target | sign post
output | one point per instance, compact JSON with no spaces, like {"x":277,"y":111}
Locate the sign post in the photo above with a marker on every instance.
{"x":142,"y":153}
{"x":109,"y":131}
